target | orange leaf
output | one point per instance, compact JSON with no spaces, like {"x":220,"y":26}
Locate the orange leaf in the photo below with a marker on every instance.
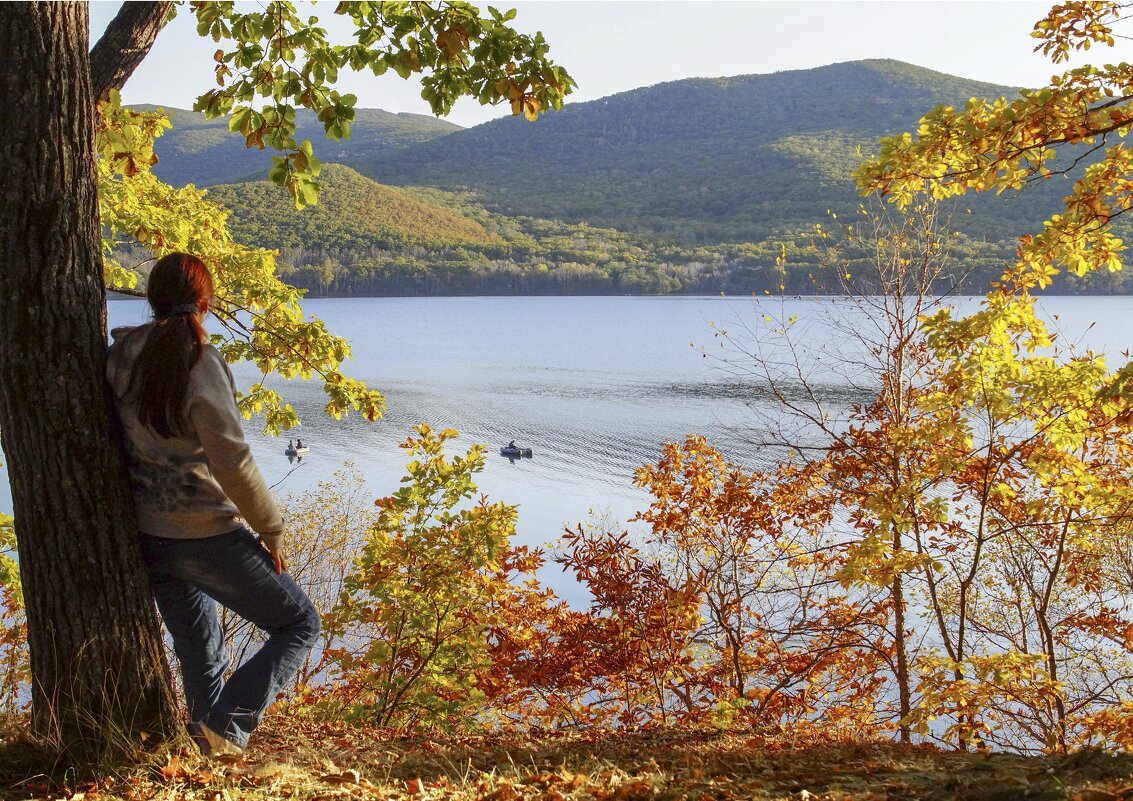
{"x":339,"y":779}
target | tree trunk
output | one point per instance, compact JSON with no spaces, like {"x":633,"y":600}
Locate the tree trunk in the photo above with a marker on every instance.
{"x":900,"y":642}
{"x":100,"y":679}
{"x":124,"y":45}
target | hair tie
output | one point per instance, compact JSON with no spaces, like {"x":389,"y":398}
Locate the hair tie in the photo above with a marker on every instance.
{"x":167,"y":310}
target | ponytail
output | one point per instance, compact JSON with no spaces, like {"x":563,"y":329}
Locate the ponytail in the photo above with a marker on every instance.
{"x":179,"y":288}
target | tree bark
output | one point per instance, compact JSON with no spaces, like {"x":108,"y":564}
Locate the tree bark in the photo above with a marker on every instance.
{"x":100,"y":679}
{"x":124,"y":44}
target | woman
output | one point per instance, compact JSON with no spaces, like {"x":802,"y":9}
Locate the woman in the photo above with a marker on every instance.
{"x":193,"y":479}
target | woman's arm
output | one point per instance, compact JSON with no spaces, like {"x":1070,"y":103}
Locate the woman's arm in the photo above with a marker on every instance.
{"x":212,"y":410}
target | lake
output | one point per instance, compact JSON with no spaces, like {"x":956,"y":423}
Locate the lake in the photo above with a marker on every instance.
{"x":592,"y":384}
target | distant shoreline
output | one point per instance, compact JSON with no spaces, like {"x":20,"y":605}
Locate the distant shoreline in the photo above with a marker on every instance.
{"x":112,"y":295}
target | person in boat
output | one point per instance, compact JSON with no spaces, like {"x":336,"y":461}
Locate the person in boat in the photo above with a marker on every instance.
{"x":201,"y":501}
{"x":511,"y":446}
{"x":290,"y":445}
{"x":298,"y":444}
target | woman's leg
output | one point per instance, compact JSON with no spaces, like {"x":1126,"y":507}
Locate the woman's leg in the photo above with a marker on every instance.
{"x":238,"y":572}
{"x":190,"y":617}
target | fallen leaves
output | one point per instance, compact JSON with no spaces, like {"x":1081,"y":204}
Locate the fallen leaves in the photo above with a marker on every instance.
{"x":190,"y":771}
{"x":346,"y":777}
{"x":301,"y":760}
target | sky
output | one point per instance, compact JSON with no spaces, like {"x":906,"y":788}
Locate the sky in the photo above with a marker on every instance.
{"x":611,"y":47}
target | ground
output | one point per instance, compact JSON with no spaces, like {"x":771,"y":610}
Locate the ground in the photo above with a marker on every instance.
{"x":318,"y":762}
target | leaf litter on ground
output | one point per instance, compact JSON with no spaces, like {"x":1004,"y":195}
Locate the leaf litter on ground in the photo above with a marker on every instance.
{"x":310,"y":761}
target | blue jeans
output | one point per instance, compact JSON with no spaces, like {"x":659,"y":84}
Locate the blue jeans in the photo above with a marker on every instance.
{"x":189,"y":577}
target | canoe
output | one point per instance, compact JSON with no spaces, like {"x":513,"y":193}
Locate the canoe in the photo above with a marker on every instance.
{"x":515,"y":453}
{"x":296,"y":451}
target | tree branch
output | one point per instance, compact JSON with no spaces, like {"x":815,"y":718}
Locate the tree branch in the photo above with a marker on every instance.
{"x":124,"y":43}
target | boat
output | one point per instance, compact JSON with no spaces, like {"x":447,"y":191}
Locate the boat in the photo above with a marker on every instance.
{"x":515,"y":453}
{"x":291,"y":450}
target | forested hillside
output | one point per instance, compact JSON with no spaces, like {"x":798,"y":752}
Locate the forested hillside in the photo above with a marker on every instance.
{"x":690,"y":186}
{"x":704,"y":160}
{"x":367,"y":239}
{"x":698,"y":161}
{"x":205,"y":152}
{"x":353,"y":214}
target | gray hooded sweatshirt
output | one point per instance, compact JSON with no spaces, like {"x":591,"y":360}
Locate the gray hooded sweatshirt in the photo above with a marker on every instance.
{"x":201,"y":482}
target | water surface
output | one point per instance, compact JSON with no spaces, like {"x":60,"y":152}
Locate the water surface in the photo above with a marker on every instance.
{"x":592,"y":385}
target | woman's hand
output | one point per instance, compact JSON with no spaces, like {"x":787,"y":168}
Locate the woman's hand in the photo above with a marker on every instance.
{"x":276,"y":556}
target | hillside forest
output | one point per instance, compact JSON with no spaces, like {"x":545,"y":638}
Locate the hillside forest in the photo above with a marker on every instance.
{"x":646,"y":192}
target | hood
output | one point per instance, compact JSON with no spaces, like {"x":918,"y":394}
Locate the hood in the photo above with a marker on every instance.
{"x":127,"y":343}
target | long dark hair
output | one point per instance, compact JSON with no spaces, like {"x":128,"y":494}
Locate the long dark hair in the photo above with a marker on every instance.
{"x":179,"y":286}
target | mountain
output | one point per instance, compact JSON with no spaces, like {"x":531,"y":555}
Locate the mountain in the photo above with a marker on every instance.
{"x":703,"y":160}
{"x":696,"y":161}
{"x":205,"y":152}
{"x":353,"y":214}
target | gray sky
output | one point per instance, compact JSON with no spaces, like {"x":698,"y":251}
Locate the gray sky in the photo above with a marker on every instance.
{"x":611,"y":47}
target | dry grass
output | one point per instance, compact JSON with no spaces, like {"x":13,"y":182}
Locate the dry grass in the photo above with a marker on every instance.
{"x":318,"y":762}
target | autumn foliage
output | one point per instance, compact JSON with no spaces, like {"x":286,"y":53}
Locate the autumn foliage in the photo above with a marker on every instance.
{"x":764,"y":599}
{"x":415,"y":613}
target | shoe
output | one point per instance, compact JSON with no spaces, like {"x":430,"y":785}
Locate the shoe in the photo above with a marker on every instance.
{"x":218,"y":745}
{"x":199,"y":739}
